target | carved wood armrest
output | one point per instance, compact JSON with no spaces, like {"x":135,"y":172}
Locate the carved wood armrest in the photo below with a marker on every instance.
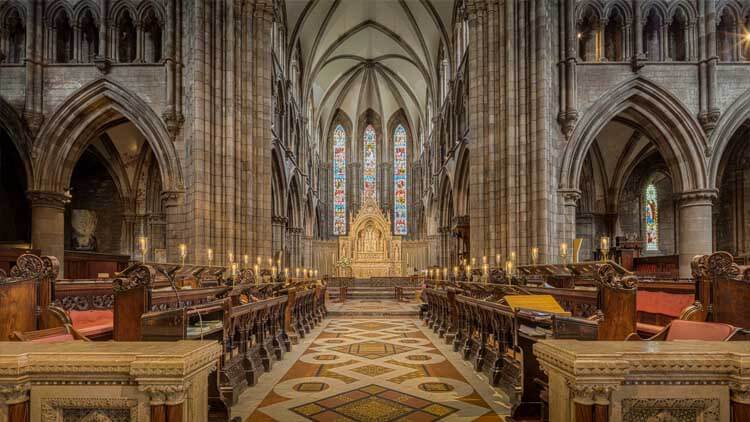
{"x":694,"y":312}
{"x":634,"y":337}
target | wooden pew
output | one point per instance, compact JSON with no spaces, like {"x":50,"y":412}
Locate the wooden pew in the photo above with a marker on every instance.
{"x":723,"y":289}
{"x":25,"y":294}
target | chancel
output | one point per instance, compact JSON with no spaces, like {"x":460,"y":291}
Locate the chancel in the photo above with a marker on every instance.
{"x":374,"y":210}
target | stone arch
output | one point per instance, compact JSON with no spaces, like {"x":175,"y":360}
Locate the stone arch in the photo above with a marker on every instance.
{"x":12,"y":123}
{"x":676,"y":133}
{"x":73,"y":125}
{"x":461,"y":182}
{"x":278,"y":184}
{"x":736,"y":115}
{"x":445,"y":196}
{"x":294,"y":203}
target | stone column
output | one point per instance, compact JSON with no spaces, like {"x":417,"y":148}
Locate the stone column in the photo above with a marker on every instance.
{"x":14,"y":402}
{"x":175,"y":228}
{"x":567,"y":231}
{"x":694,"y":235}
{"x":166,"y":402}
{"x":740,"y":401}
{"x":591,"y":402}
{"x":48,"y":223}
{"x":278,"y":233}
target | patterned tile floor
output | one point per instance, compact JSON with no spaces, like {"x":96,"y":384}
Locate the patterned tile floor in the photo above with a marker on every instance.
{"x":372,"y":370}
{"x":374,"y":306}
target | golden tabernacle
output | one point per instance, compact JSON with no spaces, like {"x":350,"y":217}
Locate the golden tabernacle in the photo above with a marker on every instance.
{"x":370,"y":245}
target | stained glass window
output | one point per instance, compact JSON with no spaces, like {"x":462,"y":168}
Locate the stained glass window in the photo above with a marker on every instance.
{"x":339,"y":180}
{"x":651,"y":212}
{"x":371,"y":163}
{"x":399,"y":181}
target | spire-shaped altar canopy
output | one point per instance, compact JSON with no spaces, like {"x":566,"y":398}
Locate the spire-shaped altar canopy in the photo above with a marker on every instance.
{"x":371,"y":245}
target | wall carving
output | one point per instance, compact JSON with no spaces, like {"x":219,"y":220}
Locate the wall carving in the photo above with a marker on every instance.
{"x":670,"y":410}
{"x":370,"y":245}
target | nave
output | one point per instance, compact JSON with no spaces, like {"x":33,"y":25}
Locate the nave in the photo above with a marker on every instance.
{"x":372,"y":369}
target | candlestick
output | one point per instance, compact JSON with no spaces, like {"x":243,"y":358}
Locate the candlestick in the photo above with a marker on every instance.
{"x":296,"y":272}
{"x":484,"y":260}
{"x":246,"y":260}
{"x":468,"y":273}
{"x":316,"y":273}
{"x":445,"y":273}
{"x":486,"y":273}
{"x":143,"y":246}
{"x":513,"y":256}
{"x":183,"y":253}
{"x":604,"y":245}
{"x":210,"y":255}
{"x":273,"y":273}
{"x":256,"y":271}
{"x":286,"y":273}
{"x":473,"y":261}
{"x":455,"y":273}
{"x":497,"y":260}
{"x":534,"y":255}
{"x":257,"y":259}
{"x":231,"y":258}
{"x":564,"y":252}
{"x":234,"y":269}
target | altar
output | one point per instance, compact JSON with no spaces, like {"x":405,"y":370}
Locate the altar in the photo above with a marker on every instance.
{"x":370,"y":245}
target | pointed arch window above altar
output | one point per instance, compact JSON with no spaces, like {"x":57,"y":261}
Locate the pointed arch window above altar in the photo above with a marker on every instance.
{"x":369,"y":175}
{"x":399,"y":181}
{"x":339,"y":180}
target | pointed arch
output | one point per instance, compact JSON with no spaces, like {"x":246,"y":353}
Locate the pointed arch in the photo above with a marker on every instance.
{"x":735,"y":116}
{"x":19,"y":134}
{"x":72,"y":126}
{"x":677,"y":135}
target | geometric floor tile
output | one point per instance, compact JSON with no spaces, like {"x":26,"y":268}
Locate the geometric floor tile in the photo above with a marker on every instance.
{"x":372,"y":370}
{"x":372,"y":349}
{"x":373,"y":403}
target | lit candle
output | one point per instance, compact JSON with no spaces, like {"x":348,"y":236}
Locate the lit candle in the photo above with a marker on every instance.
{"x":468,"y":272}
{"x":286,"y":273}
{"x":316,"y":273}
{"x":234,"y":268}
{"x":231,"y":258}
{"x":210,"y":255}
{"x":256,"y":271}
{"x":486,"y":272}
{"x":183,"y":252}
{"x":273,"y":272}
{"x":513,"y":256}
{"x":445,"y":273}
{"x":270,"y":262}
{"x":455,"y":273}
{"x":534,"y":255}
{"x":246,"y":259}
{"x":257,"y":259}
{"x":296,"y":272}
{"x":473,"y":261}
{"x":484,"y":260}
{"x":497,"y":260}
{"x":509,"y":270}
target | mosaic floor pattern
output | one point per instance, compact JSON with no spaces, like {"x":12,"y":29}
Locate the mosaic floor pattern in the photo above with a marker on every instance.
{"x":385,"y":307}
{"x":373,"y":370}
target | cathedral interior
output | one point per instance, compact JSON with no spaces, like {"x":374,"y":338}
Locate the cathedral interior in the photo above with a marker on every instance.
{"x":374,"y":210}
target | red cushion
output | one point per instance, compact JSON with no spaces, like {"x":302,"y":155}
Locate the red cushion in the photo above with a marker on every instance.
{"x":694,"y":330}
{"x":650,"y":329}
{"x":54,"y":339}
{"x":669,"y":304}
{"x":85,"y":319}
{"x":95,"y":330}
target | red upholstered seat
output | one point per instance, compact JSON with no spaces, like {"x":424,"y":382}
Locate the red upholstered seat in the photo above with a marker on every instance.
{"x":694,"y":330}
{"x":668,"y":304}
{"x":92,"y":323}
{"x":649,"y":329}
{"x":54,"y":339}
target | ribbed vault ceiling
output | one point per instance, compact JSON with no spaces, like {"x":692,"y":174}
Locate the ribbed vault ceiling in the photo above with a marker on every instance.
{"x":360,"y":54}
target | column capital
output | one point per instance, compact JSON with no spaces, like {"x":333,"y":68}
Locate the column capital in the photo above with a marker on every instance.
{"x":699,"y":197}
{"x":590,"y":394}
{"x":171,"y":198}
{"x":14,"y":393}
{"x":169,"y":394}
{"x":740,"y":392}
{"x":570,"y":196}
{"x":48,"y":199}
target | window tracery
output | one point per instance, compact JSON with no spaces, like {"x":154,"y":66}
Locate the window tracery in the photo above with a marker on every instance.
{"x":400,"y":221}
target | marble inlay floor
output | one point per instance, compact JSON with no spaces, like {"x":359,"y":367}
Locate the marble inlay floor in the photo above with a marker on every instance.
{"x":374,"y":370}
{"x":373,"y":306}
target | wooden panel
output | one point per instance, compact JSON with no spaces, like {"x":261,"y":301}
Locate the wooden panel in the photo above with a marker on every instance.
{"x":8,"y":256}
{"x":88,"y":265}
{"x":17,"y":307}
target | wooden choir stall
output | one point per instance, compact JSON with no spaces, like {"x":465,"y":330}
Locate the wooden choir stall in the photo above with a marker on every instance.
{"x":497,"y":325}
{"x":254,"y":323}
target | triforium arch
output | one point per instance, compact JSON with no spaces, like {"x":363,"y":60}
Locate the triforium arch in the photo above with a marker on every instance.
{"x":679,"y":140}
{"x":67,"y":133}
{"x":445,"y":221}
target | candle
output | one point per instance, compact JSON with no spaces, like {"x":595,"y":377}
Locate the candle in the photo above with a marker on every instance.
{"x":509,"y":270}
{"x":534,"y":255}
{"x":183,"y":252}
{"x":604,"y":245}
{"x":486,"y":273}
{"x":455,"y":273}
{"x":296,"y":272}
{"x":445,"y":273}
{"x":473,"y":261}
{"x":484,"y":260}
{"x":316,"y":273}
{"x":210,"y":255}
{"x":256,"y":271}
{"x":497,"y":260}
{"x":231,"y":258}
{"x":246,"y":259}
{"x":234,"y":268}
{"x":513,"y":256}
{"x":273,"y":272}
{"x":468,"y":272}
{"x":257,"y":259}
{"x":286,"y":273}
{"x":143,"y":245}
{"x":564,"y":252}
